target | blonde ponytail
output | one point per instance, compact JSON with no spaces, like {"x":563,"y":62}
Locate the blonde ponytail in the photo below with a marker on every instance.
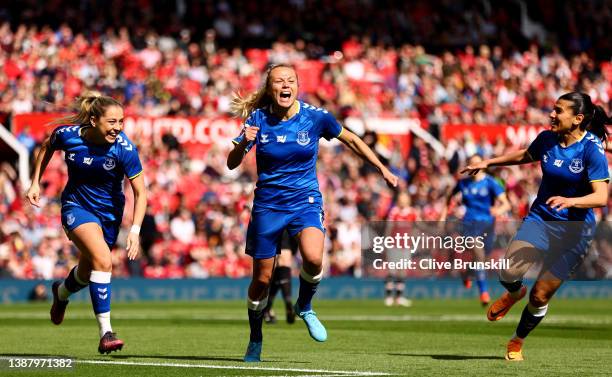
{"x":242,"y":107}
{"x":90,"y":104}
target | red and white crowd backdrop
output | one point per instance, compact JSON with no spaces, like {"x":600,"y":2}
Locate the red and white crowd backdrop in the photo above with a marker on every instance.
{"x":198,"y":134}
{"x":518,"y":135}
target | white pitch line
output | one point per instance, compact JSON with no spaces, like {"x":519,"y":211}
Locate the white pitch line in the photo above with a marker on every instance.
{"x":560,"y":319}
{"x":327,"y":373}
{"x":296,"y":375}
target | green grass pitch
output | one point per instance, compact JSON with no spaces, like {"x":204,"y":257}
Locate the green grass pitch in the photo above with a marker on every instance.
{"x":433,"y":338}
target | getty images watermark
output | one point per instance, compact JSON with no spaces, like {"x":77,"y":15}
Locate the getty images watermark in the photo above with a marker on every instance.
{"x":432,"y":248}
{"x":409,"y":244}
{"x":444,"y":249}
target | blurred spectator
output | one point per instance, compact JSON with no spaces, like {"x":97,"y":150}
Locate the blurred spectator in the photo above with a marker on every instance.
{"x":39,"y":293}
{"x":182,"y":227}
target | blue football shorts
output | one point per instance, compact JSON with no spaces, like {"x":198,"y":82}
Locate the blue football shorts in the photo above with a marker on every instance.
{"x":564,"y":243}
{"x":74,"y":215}
{"x":267,"y":225}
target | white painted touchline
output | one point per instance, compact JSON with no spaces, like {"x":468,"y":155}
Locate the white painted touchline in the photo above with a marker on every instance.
{"x":206,"y":366}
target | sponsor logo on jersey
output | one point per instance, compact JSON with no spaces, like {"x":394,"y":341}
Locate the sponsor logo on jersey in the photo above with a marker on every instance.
{"x":281,"y":138}
{"x":558,"y":163}
{"x":87,"y":160}
{"x":303,"y":138}
{"x":109,"y":163}
{"x":576,"y":166}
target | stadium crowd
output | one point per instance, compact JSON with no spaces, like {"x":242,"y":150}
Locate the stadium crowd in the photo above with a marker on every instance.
{"x":198,"y":210}
{"x":186,"y":57}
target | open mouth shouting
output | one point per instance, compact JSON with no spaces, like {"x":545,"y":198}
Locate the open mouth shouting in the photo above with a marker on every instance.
{"x":285,"y":98}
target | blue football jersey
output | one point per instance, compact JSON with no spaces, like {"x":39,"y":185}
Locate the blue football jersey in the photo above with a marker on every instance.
{"x":95,"y":172}
{"x":286,"y":156}
{"x":478,"y":197}
{"x":567,"y":172}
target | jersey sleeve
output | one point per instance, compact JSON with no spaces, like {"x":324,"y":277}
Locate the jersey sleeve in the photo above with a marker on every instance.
{"x":536,"y":147}
{"x":330,"y":128}
{"x":58,"y":138}
{"x":250,"y":122}
{"x":597,"y":164}
{"x":131,"y":162}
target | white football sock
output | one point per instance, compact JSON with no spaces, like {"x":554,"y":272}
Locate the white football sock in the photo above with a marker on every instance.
{"x":104,"y":323}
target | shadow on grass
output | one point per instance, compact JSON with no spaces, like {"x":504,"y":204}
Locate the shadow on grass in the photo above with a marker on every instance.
{"x":449,"y":357}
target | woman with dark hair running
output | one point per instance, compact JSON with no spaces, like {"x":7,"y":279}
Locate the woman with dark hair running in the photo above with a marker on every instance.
{"x":560,"y":225}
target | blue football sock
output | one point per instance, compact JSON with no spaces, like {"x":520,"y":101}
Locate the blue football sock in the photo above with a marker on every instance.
{"x":481,"y":280}
{"x":100,"y":291}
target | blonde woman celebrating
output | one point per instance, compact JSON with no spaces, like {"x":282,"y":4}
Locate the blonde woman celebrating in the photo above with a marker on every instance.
{"x":287,"y":132}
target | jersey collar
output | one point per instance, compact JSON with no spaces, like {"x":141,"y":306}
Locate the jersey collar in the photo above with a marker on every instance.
{"x":294,"y":115}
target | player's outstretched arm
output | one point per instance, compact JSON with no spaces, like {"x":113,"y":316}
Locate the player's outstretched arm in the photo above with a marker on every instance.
{"x":140,"y":207}
{"x":234,"y":159}
{"x":514,"y":158}
{"x":354,"y":143}
{"x":42,"y":160}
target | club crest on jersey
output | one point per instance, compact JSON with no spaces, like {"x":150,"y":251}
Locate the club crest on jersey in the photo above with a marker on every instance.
{"x":70,"y":219}
{"x":576,"y":166}
{"x":302,"y":138}
{"x":109,"y":163}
